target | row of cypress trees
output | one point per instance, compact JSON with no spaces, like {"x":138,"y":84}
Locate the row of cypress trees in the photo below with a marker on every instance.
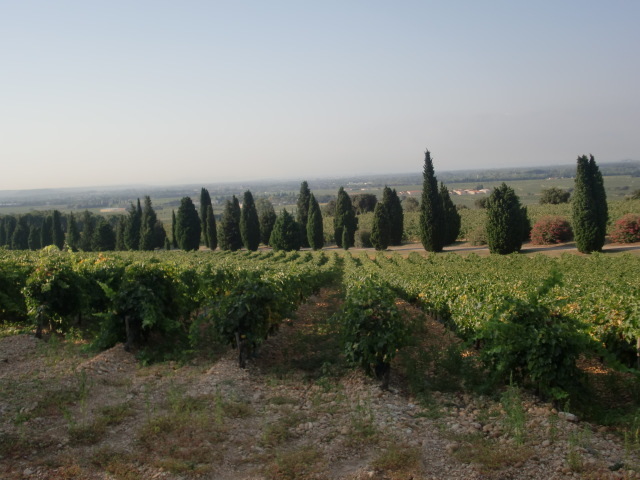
{"x":32,"y":231}
{"x":507,"y":221}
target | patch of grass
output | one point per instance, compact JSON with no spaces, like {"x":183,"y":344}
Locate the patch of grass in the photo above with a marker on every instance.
{"x":9,"y":329}
{"x":278,"y":432}
{"x":304,"y":463}
{"x":399,"y":461}
{"x":53,"y":403}
{"x":119,"y":464}
{"x":516,"y":417}
{"x":92,"y":432}
{"x":116,"y":414}
{"x":14,"y":445}
{"x":363,"y":426}
{"x":185,"y":438}
{"x":488,"y":454}
{"x":282,"y":400}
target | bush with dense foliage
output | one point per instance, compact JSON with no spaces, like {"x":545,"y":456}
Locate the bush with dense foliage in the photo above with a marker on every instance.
{"x":506,"y":221}
{"x":530,"y":342}
{"x":554,"y":196}
{"x":626,"y":229}
{"x":550,"y":230}
{"x":373,"y":328}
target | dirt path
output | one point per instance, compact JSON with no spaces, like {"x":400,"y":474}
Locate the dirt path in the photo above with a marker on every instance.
{"x":297,"y":412}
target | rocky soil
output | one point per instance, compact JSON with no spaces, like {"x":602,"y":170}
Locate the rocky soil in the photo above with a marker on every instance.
{"x":295,"y":412}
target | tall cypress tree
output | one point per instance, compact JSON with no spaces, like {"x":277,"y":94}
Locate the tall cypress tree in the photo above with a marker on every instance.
{"x":286,"y":233}
{"x":249,"y":223}
{"x":267,"y":217}
{"x":46,"y":234}
{"x":212,"y":234}
{"x":148,"y":221}
{"x":88,"y":229}
{"x":395,"y":213}
{"x":104,"y":238}
{"x":188,"y":225}
{"x":159,"y":235}
{"x":3,"y":232}
{"x":229,"y":229}
{"x":205,"y":202}
{"x":431,"y":212}
{"x":57,"y":233}
{"x":20,"y":238}
{"x":452,"y":220}
{"x":174,"y":240}
{"x":302,"y":212}
{"x":34,"y":238}
{"x":589,"y":207}
{"x":73,"y":235}
{"x":381,"y":229}
{"x":134,"y":222}
{"x":344,"y":221}
{"x":122,"y":225}
{"x":314,"y":228}
{"x":505,"y":222}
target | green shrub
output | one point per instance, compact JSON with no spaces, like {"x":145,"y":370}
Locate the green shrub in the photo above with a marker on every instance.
{"x":373,"y":327}
{"x":363,"y":239}
{"x":532,"y":344}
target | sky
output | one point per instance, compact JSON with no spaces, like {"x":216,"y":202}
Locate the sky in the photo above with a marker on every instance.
{"x":158,"y":92}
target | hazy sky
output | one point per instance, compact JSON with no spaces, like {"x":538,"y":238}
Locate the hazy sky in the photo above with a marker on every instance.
{"x":164,"y":92}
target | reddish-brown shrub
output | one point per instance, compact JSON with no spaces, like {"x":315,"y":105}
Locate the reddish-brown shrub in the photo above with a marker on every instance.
{"x":626,"y":229}
{"x":550,"y":229}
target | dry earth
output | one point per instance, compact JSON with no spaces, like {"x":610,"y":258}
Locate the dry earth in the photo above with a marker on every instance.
{"x":294,"y":413}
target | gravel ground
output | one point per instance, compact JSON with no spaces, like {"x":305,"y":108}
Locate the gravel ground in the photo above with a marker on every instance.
{"x":67,"y":414}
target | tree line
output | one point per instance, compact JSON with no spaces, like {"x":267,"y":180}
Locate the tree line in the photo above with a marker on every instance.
{"x":252,"y":223}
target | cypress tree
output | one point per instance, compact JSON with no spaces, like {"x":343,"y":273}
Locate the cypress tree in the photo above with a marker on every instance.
{"x":88,"y":230}
{"x":174,"y":240}
{"x":381,"y":229}
{"x":3,"y":232}
{"x":134,"y":223}
{"x":589,"y":207}
{"x":345,"y":238}
{"x":205,"y":202}
{"x":148,"y":240}
{"x":302,"y":212}
{"x":188,"y":225}
{"x":315,"y":228}
{"x":505,"y":222}
{"x":46,"y":234}
{"x":104,"y":238}
{"x":344,"y":220}
{"x":229,"y":229}
{"x":249,"y":223}
{"x":395,"y":213}
{"x":286,"y":233}
{"x":452,"y":220}
{"x":267,"y":218}
{"x":212,"y":234}
{"x":57,"y":233}
{"x":122,"y":225}
{"x":159,"y":235}
{"x":431,"y":212}
{"x":34,"y":238}
{"x":73,"y":235}
{"x":20,"y":238}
